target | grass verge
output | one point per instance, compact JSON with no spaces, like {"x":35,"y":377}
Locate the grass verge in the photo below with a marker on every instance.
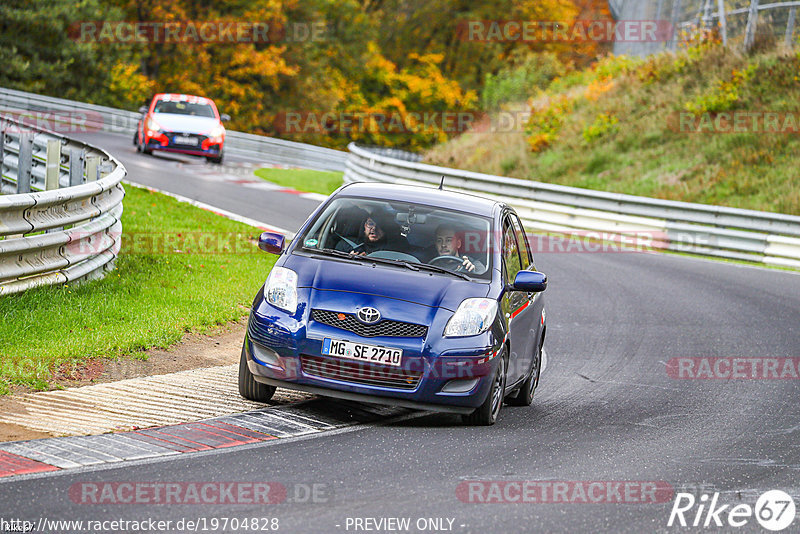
{"x":163,"y":287}
{"x":306,"y":180}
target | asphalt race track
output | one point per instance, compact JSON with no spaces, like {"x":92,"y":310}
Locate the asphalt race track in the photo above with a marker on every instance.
{"x":607,"y":410}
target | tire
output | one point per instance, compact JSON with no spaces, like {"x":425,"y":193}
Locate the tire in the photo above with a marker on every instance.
{"x":486,"y":413}
{"x":216,"y":160}
{"x":524,"y":397}
{"x":136,"y":140}
{"x":248,"y":387}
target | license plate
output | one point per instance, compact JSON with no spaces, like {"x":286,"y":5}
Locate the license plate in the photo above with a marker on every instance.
{"x":362,"y":352}
{"x":184,"y":140}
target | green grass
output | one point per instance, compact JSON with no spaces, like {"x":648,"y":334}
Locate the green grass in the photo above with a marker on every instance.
{"x":308,"y":181}
{"x":150,"y":300}
{"x":646,"y":153}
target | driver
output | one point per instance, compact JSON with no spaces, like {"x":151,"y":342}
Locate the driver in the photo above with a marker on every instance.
{"x":448,"y":243}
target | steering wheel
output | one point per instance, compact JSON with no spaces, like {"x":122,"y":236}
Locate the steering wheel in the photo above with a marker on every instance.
{"x":448,"y":262}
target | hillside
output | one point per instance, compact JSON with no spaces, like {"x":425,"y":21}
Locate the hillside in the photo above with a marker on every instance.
{"x":705,"y":125}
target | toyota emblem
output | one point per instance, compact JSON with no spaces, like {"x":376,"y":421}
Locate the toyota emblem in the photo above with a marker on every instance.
{"x":368,"y":315}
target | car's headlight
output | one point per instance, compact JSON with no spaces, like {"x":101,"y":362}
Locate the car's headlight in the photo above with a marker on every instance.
{"x":281,"y":290}
{"x":217,"y":131}
{"x":153,"y":125}
{"x":473,"y":317}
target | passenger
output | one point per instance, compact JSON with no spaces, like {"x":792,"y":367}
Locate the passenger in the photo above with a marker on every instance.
{"x":378,"y":231}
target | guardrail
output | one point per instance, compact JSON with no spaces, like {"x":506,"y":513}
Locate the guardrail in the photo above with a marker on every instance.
{"x":731,"y":233}
{"x":100,"y":118}
{"x":60,"y":219}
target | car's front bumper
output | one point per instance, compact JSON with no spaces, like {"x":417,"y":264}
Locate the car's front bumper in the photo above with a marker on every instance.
{"x":203,"y":148}
{"x":457,"y":380}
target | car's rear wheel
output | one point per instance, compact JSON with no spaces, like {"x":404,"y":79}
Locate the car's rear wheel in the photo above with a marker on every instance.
{"x":486,"y":413}
{"x":524,"y":397}
{"x":248,"y":387}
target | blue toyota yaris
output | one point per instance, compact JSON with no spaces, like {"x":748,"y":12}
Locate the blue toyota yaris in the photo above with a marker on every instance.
{"x":401,"y":295}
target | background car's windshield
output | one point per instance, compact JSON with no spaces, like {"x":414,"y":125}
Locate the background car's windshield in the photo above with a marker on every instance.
{"x":419,"y":234}
{"x":184,"y":108}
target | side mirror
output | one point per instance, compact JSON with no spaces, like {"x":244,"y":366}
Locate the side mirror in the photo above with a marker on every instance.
{"x":530,"y":282}
{"x":271,"y":242}
{"x":224,"y":117}
{"x":143,"y":110}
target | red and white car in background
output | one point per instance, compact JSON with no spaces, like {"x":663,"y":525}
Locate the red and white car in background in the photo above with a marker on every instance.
{"x":185,"y":124}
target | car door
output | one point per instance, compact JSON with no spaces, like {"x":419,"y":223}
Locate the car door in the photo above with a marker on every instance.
{"x":513,"y":305}
{"x":527,"y":315}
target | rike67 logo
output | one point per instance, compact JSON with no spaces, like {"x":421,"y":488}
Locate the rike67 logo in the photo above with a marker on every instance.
{"x":774,"y":510}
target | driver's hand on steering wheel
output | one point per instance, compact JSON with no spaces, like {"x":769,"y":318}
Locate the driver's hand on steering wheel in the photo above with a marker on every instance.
{"x":354,"y":253}
{"x":468,"y":265}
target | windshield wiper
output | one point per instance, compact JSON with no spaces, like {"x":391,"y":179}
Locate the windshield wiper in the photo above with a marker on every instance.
{"x":386,"y":261}
{"x":331,"y":252}
{"x":437,"y":269}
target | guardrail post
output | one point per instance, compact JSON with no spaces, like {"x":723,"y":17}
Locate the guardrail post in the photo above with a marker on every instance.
{"x":77,"y":159}
{"x":24,"y":162}
{"x":52,"y":165}
{"x":676,"y":13}
{"x":752,"y":22}
{"x":790,"y":26}
{"x":92,"y":168}
{"x":723,"y":22}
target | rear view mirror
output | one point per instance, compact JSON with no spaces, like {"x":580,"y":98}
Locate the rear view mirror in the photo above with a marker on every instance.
{"x":271,"y":242}
{"x":224,"y":117}
{"x":143,"y":110}
{"x":530,"y":282}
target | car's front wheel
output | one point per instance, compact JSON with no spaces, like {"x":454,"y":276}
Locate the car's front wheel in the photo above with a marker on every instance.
{"x":486,"y":413}
{"x":248,"y":387}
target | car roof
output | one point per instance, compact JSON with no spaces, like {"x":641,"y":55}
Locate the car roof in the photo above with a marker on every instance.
{"x":178,"y":97}
{"x":431,"y":196}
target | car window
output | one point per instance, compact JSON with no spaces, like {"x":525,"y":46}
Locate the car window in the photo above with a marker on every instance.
{"x":522,"y":242}
{"x":511,"y":259}
{"x":419,"y":234}
{"x":184,"y":108}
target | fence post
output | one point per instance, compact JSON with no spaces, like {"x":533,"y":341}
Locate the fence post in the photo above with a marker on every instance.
{"x":723,"y":22}
{"x":707,"y":14}
{"x":24,"y":162}
{"x":76,"y":164}
{"x":53,"y":164}
{"x":2,"y":152}
{"x":752,"y":22}
{"x":676,"y":13}
{"x":790,"y":26}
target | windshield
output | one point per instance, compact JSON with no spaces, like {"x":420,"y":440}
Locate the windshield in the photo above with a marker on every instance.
{"x":416,"y":234}
{"x":184,"y":108}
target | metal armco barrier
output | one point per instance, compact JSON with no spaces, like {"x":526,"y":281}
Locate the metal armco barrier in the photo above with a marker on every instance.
{"x":60,"y":209}
{"x":88,"y":117}
{"x":731,"y":233}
